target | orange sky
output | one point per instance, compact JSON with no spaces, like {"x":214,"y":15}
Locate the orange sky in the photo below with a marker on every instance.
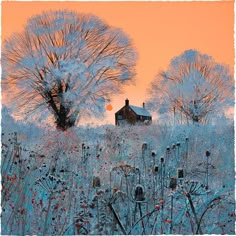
{"x":159,"y":30}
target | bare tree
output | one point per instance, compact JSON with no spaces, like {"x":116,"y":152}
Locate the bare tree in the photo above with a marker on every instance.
{"x":65,"y":65}
{"x":194,"y":87}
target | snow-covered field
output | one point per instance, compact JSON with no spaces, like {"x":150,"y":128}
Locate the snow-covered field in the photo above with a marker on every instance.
{"x":153,"y":179}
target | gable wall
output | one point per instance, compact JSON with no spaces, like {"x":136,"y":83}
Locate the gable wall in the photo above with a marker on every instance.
{"x":127,"y":114}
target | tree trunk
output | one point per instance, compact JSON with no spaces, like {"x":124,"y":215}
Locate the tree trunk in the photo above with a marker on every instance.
{"x":63,"y":120}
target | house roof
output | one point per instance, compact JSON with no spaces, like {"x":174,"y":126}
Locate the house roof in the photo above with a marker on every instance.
{"x":140,"y":111}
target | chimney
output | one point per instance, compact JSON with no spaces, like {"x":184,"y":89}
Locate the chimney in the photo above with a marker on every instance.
{"x":143,"y":105}
{"x":127,"y":102}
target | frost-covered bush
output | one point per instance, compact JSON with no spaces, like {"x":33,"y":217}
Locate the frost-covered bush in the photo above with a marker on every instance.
{"x":48,"y":179}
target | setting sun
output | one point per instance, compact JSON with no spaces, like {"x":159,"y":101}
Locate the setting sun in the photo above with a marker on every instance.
{"x":109,"y":107}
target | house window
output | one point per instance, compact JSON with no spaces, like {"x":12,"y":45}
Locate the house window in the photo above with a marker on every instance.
{"x":120,"y":117}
